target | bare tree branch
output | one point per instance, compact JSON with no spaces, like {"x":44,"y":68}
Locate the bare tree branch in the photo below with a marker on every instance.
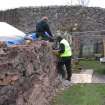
{"x":84,"y":2}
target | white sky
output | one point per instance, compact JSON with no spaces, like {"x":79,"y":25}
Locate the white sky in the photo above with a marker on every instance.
{"x":8,"y":4}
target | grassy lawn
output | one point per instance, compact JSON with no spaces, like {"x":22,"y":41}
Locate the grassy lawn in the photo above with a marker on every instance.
{"x":82,"y":94}
{"x":92,"y":64}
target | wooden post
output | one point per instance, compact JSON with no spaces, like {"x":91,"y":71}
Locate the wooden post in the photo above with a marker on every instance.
{"x":104,"y":45}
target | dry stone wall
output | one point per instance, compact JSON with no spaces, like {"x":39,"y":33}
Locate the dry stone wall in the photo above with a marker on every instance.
{"x":28,"y":74}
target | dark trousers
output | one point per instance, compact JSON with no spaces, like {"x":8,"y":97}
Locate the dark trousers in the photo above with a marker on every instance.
{"x":42,"y":36}
{"x":65,"y":61}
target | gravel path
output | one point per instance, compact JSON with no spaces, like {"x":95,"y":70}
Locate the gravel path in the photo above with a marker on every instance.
{"x":87,"y":76}
{"x":84,"y":76}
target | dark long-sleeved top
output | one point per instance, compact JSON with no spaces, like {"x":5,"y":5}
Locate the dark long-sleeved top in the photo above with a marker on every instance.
{"x":43,"y":27}
{"x":61,"y":48}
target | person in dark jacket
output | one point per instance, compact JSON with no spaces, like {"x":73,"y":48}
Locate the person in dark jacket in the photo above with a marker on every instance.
{"x":42,"y":29}
{"x":65,"y":54}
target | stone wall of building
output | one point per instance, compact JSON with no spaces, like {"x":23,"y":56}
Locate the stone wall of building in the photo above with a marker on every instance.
{"x":65,"y":18}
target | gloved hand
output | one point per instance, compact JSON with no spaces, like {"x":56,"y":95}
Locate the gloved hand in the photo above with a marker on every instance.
{"x":56,"y":52}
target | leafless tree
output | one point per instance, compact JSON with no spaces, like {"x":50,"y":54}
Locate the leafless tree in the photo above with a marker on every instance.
{"x":84,"y":2}
{"x":69,"y":2}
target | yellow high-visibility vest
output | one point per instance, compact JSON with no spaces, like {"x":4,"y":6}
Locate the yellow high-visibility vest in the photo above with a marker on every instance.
{"x":67,"y":51}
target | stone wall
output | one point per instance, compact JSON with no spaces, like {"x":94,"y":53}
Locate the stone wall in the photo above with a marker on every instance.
{"x":63,"y":18}
{"x":69,"y":19}
{"x":28,"y":74}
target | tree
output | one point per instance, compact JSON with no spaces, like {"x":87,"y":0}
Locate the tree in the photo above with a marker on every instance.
{"x":70,"y":2}
{"x":84,"y":2}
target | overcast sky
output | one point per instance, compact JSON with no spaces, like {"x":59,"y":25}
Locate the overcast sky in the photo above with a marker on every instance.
{"x":8,"y":4}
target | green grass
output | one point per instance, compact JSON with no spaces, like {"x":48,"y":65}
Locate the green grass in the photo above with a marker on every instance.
{"x":82,"y":94}
{"x":92,"y":64}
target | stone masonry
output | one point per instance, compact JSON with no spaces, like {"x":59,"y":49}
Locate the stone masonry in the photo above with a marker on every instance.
{"x":63,"y":18}
{"x":28,"y":74}
{"x":67,"y":19}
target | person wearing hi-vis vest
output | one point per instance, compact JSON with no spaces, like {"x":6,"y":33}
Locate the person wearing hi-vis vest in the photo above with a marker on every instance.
{"x":65,"y":54}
